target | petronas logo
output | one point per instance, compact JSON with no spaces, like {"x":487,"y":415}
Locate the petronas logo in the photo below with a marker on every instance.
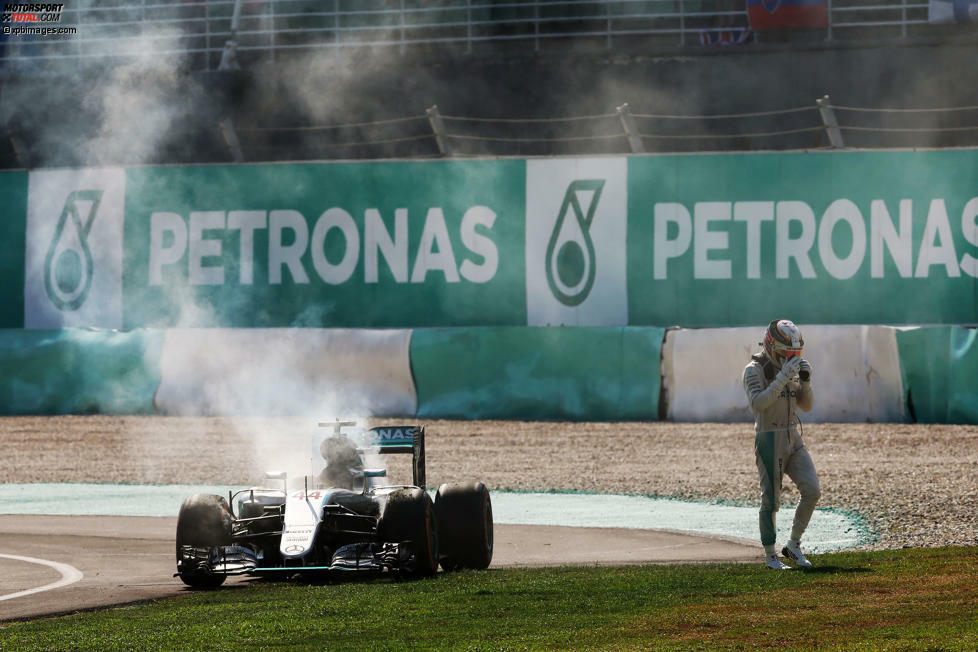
{"x":68,"y":267}
{"x":570,"y":252}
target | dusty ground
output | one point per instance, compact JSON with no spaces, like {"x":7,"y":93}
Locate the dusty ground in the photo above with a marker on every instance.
{"x":914,"y":484}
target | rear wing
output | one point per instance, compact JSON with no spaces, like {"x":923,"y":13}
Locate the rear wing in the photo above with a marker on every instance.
{"x":402,"y":439}
{"x":393,"y":440}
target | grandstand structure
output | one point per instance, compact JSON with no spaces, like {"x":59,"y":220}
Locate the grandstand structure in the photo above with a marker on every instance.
{"x":267,"y":80}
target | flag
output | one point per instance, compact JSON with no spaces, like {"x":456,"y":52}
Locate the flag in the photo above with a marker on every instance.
{"x":730,"y":36}
{"x":774,"y":14}
{"x":952,"y":11}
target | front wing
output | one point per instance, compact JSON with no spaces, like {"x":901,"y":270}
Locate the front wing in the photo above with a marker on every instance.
{"x":356,"y":557}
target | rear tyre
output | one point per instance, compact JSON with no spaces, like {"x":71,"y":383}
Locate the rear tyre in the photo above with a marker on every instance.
{"x":204,"y":524}
{"x":464,"y":515}
{"x":409,"y":516}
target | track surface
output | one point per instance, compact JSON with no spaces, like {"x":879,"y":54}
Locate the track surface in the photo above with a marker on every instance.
{"x":128,"y":559}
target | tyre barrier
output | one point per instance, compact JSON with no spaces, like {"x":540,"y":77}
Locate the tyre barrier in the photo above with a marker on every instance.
{"x":855,"y":377}
{"x":570,"y":373}
{"x":861,"y":373}
{"x":318,"y":372}
{"x":939,"y":366}
{"x":79,"y":371}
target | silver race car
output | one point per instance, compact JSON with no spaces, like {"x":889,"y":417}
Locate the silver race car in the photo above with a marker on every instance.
{"x":342,"y":519}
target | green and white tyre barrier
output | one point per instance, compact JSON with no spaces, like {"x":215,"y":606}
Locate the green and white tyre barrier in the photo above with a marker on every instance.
{"x":861,"y":373}
{"x":575,"y":373}
{"x":78,"y":371}
{"x":940,"y":371}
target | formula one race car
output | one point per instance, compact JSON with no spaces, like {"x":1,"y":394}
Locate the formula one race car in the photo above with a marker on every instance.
{"x":341,"y":519}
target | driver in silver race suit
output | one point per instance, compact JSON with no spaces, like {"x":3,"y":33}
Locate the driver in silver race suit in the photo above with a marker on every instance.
{"x":777,"y":381}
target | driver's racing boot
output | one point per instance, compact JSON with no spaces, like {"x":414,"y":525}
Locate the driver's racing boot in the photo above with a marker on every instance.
{"x":792,"y":550}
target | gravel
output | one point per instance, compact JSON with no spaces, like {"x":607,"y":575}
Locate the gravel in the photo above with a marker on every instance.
{"x":914,"y":485}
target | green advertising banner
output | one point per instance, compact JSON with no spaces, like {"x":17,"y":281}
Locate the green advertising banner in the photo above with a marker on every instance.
{"x":313,"y":245}
{"x":822,"y":237}
{"x":692,"y":240}
{"x":13,"y":224}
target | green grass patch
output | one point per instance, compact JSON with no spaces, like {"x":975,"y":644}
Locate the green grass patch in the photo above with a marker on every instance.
{"x":900,"y":599}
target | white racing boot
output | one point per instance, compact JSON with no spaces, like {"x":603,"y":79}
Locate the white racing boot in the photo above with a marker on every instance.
{"x":792,"y":550}
{"x":773,"y":563}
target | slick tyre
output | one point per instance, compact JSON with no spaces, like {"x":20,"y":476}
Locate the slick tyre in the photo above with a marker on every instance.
{"x":464,"y":514}
{"x":203,"y":525}
{"x":409,"y":516}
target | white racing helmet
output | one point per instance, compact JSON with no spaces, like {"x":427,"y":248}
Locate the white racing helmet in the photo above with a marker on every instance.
{"x":782,"y":341}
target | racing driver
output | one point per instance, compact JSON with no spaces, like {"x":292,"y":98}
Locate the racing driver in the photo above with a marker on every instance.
{"x":777,"y":381}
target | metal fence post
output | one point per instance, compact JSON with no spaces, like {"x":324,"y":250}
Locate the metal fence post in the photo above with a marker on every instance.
{"x":229,"y":57}
{"x":438,"y":128}
{"x":536,"y":27}
{"x":631,"y":132}
{"x":682,"y":22}
{"x":468,"y":26}
{"x":20,"y":152}
{"x":828,"y":119}
{"x":336,"y":25}
{"x":828,"y":11}
{"x":207,"y":32}
{"x":231,"y":140}
{"x":403,"y":44}
{"x":273,"y":42}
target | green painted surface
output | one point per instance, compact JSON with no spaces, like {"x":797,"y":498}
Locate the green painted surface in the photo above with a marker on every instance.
{"x":596,"y":374}
{"x":13,"y":228}
{"x":829,"y":530}
{"x":456,"y":260}
{"x":77,"y":371}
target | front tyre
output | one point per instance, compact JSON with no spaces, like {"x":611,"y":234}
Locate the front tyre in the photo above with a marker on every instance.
{"x":203,"y":527}
{"x":409,"y":519}
{"x":464,"y":515}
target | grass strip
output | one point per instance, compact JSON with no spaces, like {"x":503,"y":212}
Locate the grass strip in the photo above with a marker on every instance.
{"x":923,"y":598}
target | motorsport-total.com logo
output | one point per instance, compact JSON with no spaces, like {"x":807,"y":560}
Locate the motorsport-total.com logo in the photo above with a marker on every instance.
{"x":25,"y":18}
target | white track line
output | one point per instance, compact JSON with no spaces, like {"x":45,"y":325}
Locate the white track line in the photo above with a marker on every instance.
{"x":69,"y":575}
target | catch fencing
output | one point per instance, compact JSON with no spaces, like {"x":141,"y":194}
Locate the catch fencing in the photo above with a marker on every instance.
{"x":820,"y":125}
